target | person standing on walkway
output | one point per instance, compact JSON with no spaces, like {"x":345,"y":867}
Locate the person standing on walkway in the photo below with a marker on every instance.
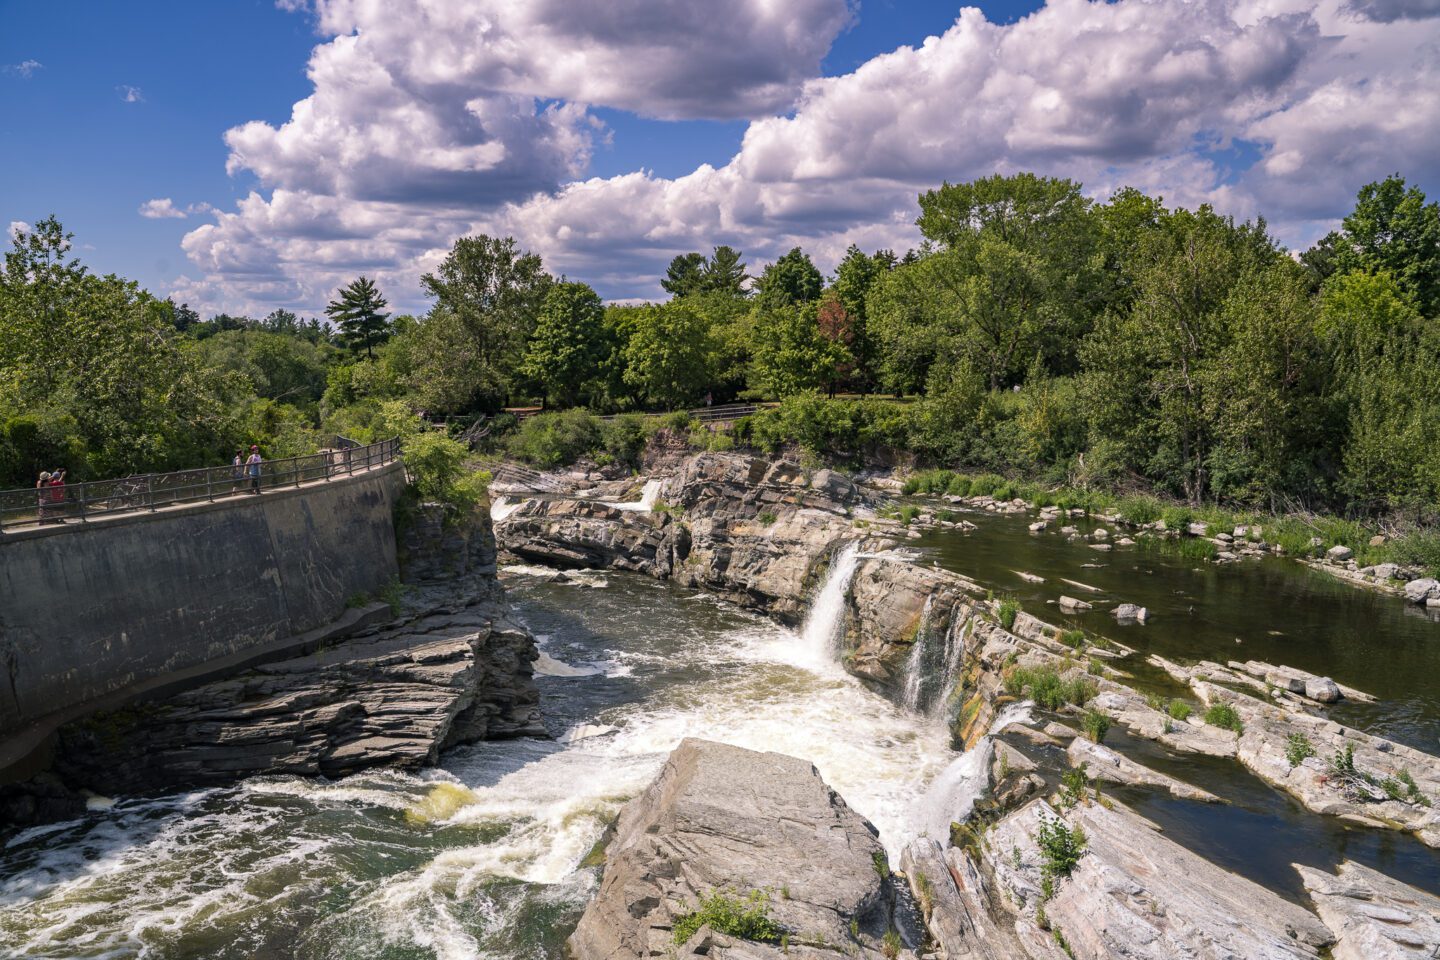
{"x":42,"y":494}
{"x":252,"y":466}
{"x":237,"y":471}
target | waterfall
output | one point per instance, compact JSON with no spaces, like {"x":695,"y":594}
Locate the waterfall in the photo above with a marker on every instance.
{"x":951,"y":796}
{"x":649,"y":496}
{"x":820,"y":636}
{"x":502,"y":508}
{"x":955,"y":637}
{"x":915,"y":664}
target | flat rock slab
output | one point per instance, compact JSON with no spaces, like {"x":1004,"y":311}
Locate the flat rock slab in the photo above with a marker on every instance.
{"x":1374,"y":917}
{"x":1137,"y":894}
{"x":724,"y":818}
{"x":1102,"y":763}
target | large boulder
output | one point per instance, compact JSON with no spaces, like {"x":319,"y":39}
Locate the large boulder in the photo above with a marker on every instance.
{"x":722,"y":818}
{"x":1419,"y":591}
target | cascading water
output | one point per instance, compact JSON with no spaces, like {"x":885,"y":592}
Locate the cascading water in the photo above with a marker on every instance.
{"x":915,"y":663}
{"x":951,"y":796}
{"x":955,"y":637}
{"x":820,"y":636}
{"x":649,"y":496}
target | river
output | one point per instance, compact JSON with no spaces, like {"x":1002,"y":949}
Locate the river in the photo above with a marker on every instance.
{"x":485,"y":856}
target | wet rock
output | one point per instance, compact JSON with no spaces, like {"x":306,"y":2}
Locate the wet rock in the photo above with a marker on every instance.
{"x":1071,"y":605}
{"x":1100,"y":533}
{"x":1373,"y":916}
{"x":952,"y":896}
{"x":1131,"y":613}
{"x":720,"y":817}
{"x":1339,"y":553}
{"x":1038,"y":526}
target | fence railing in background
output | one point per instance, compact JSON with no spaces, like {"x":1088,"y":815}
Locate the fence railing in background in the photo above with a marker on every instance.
{"x":94,"y":499}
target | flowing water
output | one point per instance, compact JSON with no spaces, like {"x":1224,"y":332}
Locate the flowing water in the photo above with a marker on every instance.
{"x":482,"y":857}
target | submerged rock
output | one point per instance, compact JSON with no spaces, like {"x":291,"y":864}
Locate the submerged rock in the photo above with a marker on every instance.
{"x":1131,"y":613}
{"x":722,"y":818}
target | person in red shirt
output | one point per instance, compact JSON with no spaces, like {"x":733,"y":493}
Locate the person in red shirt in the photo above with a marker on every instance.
{"x":57,"y":494}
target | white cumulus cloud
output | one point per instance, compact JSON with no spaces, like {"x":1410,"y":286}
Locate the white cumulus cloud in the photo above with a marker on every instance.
{"x":25,"y":68}
{"x":161,"y":209}
{"x":475,"y":116}
{"x":130,"y":94}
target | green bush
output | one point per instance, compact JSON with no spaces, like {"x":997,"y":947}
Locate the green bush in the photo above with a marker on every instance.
{"x":843,"y":430}
{"x":1224,"y":716}
{"x":1074,"y":639}
{"x":624,"y":437}
{"x":1060,"y":847}
{"x":436,"y":465}
{"x":746,"y":917}
{"x":552,"y":440}
{"x":1047,"y":688}
{"x":1178,"y":710}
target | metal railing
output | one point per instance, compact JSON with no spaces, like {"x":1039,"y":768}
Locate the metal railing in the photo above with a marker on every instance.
{"x":94,"y":499}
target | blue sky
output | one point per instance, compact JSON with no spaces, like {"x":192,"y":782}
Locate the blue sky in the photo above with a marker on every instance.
{"x":105,"y":107}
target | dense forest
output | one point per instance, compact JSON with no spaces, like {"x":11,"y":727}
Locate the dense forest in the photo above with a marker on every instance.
{"x":1034,"y":332}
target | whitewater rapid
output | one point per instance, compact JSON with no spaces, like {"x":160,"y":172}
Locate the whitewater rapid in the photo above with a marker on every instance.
{"x":483,"y":856}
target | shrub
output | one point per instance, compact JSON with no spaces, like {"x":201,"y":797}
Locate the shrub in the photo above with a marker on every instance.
{"x":1224,"y":716}
{"x":766,"y":519}
{"x":1297,"y":748}
{"x":624,"y":438}
{"x":1178,"y":710}
{"x":1074,"y":783}
{"x":552,"y":440}
{"x":958,"y":487}
{"x":1047,"y":688}
{"x":746,"y":917}
{"x":436,"y":465}
{"x":1073,"y":638}
{"x":891,"y":945}
{"x":1095,"y":724}
{"x":1008,"y":609}
{"x":1060,"y":847}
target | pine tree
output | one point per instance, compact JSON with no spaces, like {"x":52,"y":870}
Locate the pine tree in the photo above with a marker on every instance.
{"x":357,"y":314}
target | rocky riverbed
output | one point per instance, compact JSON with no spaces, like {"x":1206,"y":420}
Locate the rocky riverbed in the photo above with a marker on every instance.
{"x":768,"y":534}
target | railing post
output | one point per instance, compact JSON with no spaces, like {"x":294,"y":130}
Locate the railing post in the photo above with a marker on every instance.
{"x":81,"y":501}
{"x":210,"y":484}
{"x":296,"y":461}
{"x":150,"y":492}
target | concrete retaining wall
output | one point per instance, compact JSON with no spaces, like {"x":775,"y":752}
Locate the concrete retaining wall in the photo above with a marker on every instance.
{"x":87,"y":611}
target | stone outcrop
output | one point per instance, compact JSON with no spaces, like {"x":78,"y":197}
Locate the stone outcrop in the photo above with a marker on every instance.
{"x":452,"y":671}
{"x":1373,"y":916}
{"x":721,"y":818}
{"x":1134,"y":893}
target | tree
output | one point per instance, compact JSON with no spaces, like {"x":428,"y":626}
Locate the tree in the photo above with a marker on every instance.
{"x":792,"y":351}
{"x":685,"y":275}
{"x":1393,"y":229}
{"x":488,"y":293}
{"x":1016,"y":267}
{"x":565,"y":351}
{"x":357,"y":312}
{"x":791,"y":279}
{"x":855,"y":277}
{"x":724,"y":273}
{"x":669,"y":354}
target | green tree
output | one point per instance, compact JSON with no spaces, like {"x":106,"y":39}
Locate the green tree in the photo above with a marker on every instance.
{"x":565,"y":350}
{"x":855,"y":277}
{"x":488,"y":295}
{"x":724,"y":273}
{"x":669,"y":355}
{"x":791,"y":279}
{"x":793,"y":352}
{"x":357,"y":312}
{"x":1393,"y":229}
{"x":685,"y":275}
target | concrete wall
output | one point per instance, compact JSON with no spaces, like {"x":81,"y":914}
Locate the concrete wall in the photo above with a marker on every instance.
{"x":89,"y":610}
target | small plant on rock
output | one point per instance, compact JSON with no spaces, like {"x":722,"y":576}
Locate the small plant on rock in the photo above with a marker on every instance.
{"x":1075,"y":639}
{"x":890,"y":945}
{"x":767,"y":519}
{"x":1060,"y":847}
{"x":1178,"y":710}
{"x":1224,"y":716}
{"x":1095,"y":724}
{"x":1008,"y":609}
{"x":1297,"y":748}
{"x":1074,"y":785}
{"x":746,"y":917}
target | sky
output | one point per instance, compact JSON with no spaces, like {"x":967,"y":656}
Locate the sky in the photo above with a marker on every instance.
{"x":249,"y":155}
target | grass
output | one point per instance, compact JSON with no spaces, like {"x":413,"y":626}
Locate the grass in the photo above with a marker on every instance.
{"x":1095,"y":724}
{"x":767,"y":519}
{"x":1224,"y":716}
{"x":1047,"y":688}
{"x":746,"y":917}
{"x":1075,"y":639}
{"x":1297,"y":748}
{"x":1178,"y":710}
{"x":1009,"y":607}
